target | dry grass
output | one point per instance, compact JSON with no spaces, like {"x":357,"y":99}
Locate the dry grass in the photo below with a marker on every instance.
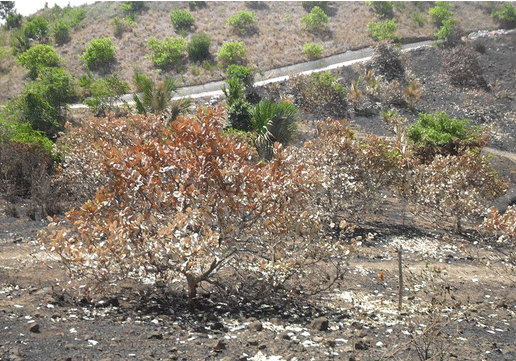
{"x":278,"y":41}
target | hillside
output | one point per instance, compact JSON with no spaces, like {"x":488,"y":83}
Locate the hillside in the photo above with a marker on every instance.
{"x":276,"y":40}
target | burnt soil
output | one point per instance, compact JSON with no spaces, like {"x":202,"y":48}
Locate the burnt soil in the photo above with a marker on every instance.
{"x":459,"y":299}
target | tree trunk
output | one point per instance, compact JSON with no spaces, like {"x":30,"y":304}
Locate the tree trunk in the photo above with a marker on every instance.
{"x":192,"y":291}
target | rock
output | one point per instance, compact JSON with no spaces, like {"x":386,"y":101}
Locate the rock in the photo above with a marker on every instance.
{"x":361,"y":345}
{"x":155,"y":336}
{"x":284,"y":336}
{"x":217,"y":326}
{"x":255,"y":326}
{"x":320,"y":324}
{"x":35,"y":328}
{"x":219,"y":346}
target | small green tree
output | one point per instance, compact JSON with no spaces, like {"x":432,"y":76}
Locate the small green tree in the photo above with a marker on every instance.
{"x":316,"y":20}
{"x":43,"y":101}
{"x":242,"y":22}
{"x":381,"y":30}
{"x":382,"y":8}
{"x":36,"y":29}
{"x":438,"y":133}
{"x":168,"y":52}
{"x":99,"y":54}
{"x":313,"y":51}
{"x":440,"y":12}
{"x":199,"y":47}
{"x":13,"y":21}
{"x":244,"y":74}
{"x":506,"y":15}
{"x":231,"y":53}
{"x":182,"y":20}
{"x":38,"y":57}
{"x":105,"y":93}
{"x":61,"y":30}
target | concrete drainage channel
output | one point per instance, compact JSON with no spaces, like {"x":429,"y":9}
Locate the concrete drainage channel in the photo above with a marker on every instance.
{"x":213,"y":89}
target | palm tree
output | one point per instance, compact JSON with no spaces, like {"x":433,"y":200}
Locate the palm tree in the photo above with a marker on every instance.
{"x":273,"y":122}
{"x":157,"y":97}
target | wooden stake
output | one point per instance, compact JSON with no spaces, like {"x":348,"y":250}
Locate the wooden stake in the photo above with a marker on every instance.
{"x":400,"y":270}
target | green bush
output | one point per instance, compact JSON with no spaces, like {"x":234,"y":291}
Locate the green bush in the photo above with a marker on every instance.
{"x":182,"y":19}
{"x":132,"y":7}
{"x":242,"y":21}
{"x":381,"y":30}
{"x":42,"y":103}
{"x":316,"y":20}
{"x":242,"y":73}
{"x":447,"y":30}
{"x":240,"y":114}
{"x":36,"y":29}
{"x":105,"y":93}
{"x":199,"y":47}
{"x":506,"y":15}
{"x":438,"y":133}
{"x":38,"y":57}
{"x":13,"y":21}
{"x":309,"y":5}
{"x":122,"y":25}
{"x":382,"y":8}
{"x":99,"y":53}
{"x":19,"y":43}
{"x":168,"y":52}
{"x":231,"y":53}
{"x":23,"y":133}
{"x":440,"y":12}
{"x":313,"y":51}
{"x":61,"y":31}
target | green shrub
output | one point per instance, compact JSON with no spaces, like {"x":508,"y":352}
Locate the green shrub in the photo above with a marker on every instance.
{"x":242,"y":21}
{"x":182,"y":19}
{"x":242,"y":73}
{"x":99,"y":53}
{"x":313,"y":51}
{"x":440,"y":12}
{"x":13,"y":21}
{"x":316,"y":20}
{"x":19,"y":43}
{"x":105,"y":93}
{"x":23,"y":133}
{"x":36,"y":29}
{"x":506,"y":15}
{"x":168,"y":52}
{"x":309,"y":5}
{"x":38,"y":57}
{"x":447,"y":30}
{"x":61,"y":32}
{"x":132,"y":7}
{"x":381,"y":30}
{"x":199,"y":47}
{"x":240,"y":114}
{"x":419,"y":20}
{"x":42,"y":103}
{"x":231,"y":53}
{"x":382,"y":8}
{"x":122,"y":25}
{"x":193,"y":5}
{"x":438,"y":133}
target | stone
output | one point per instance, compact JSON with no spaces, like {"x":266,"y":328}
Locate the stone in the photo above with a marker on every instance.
{"x":320,"y":324}
{"x":155,"y":336}
{"x":219,"y":346}
{"x":361,"y":345}
{"x":255,"y":326}
{"x":35,"y":328}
